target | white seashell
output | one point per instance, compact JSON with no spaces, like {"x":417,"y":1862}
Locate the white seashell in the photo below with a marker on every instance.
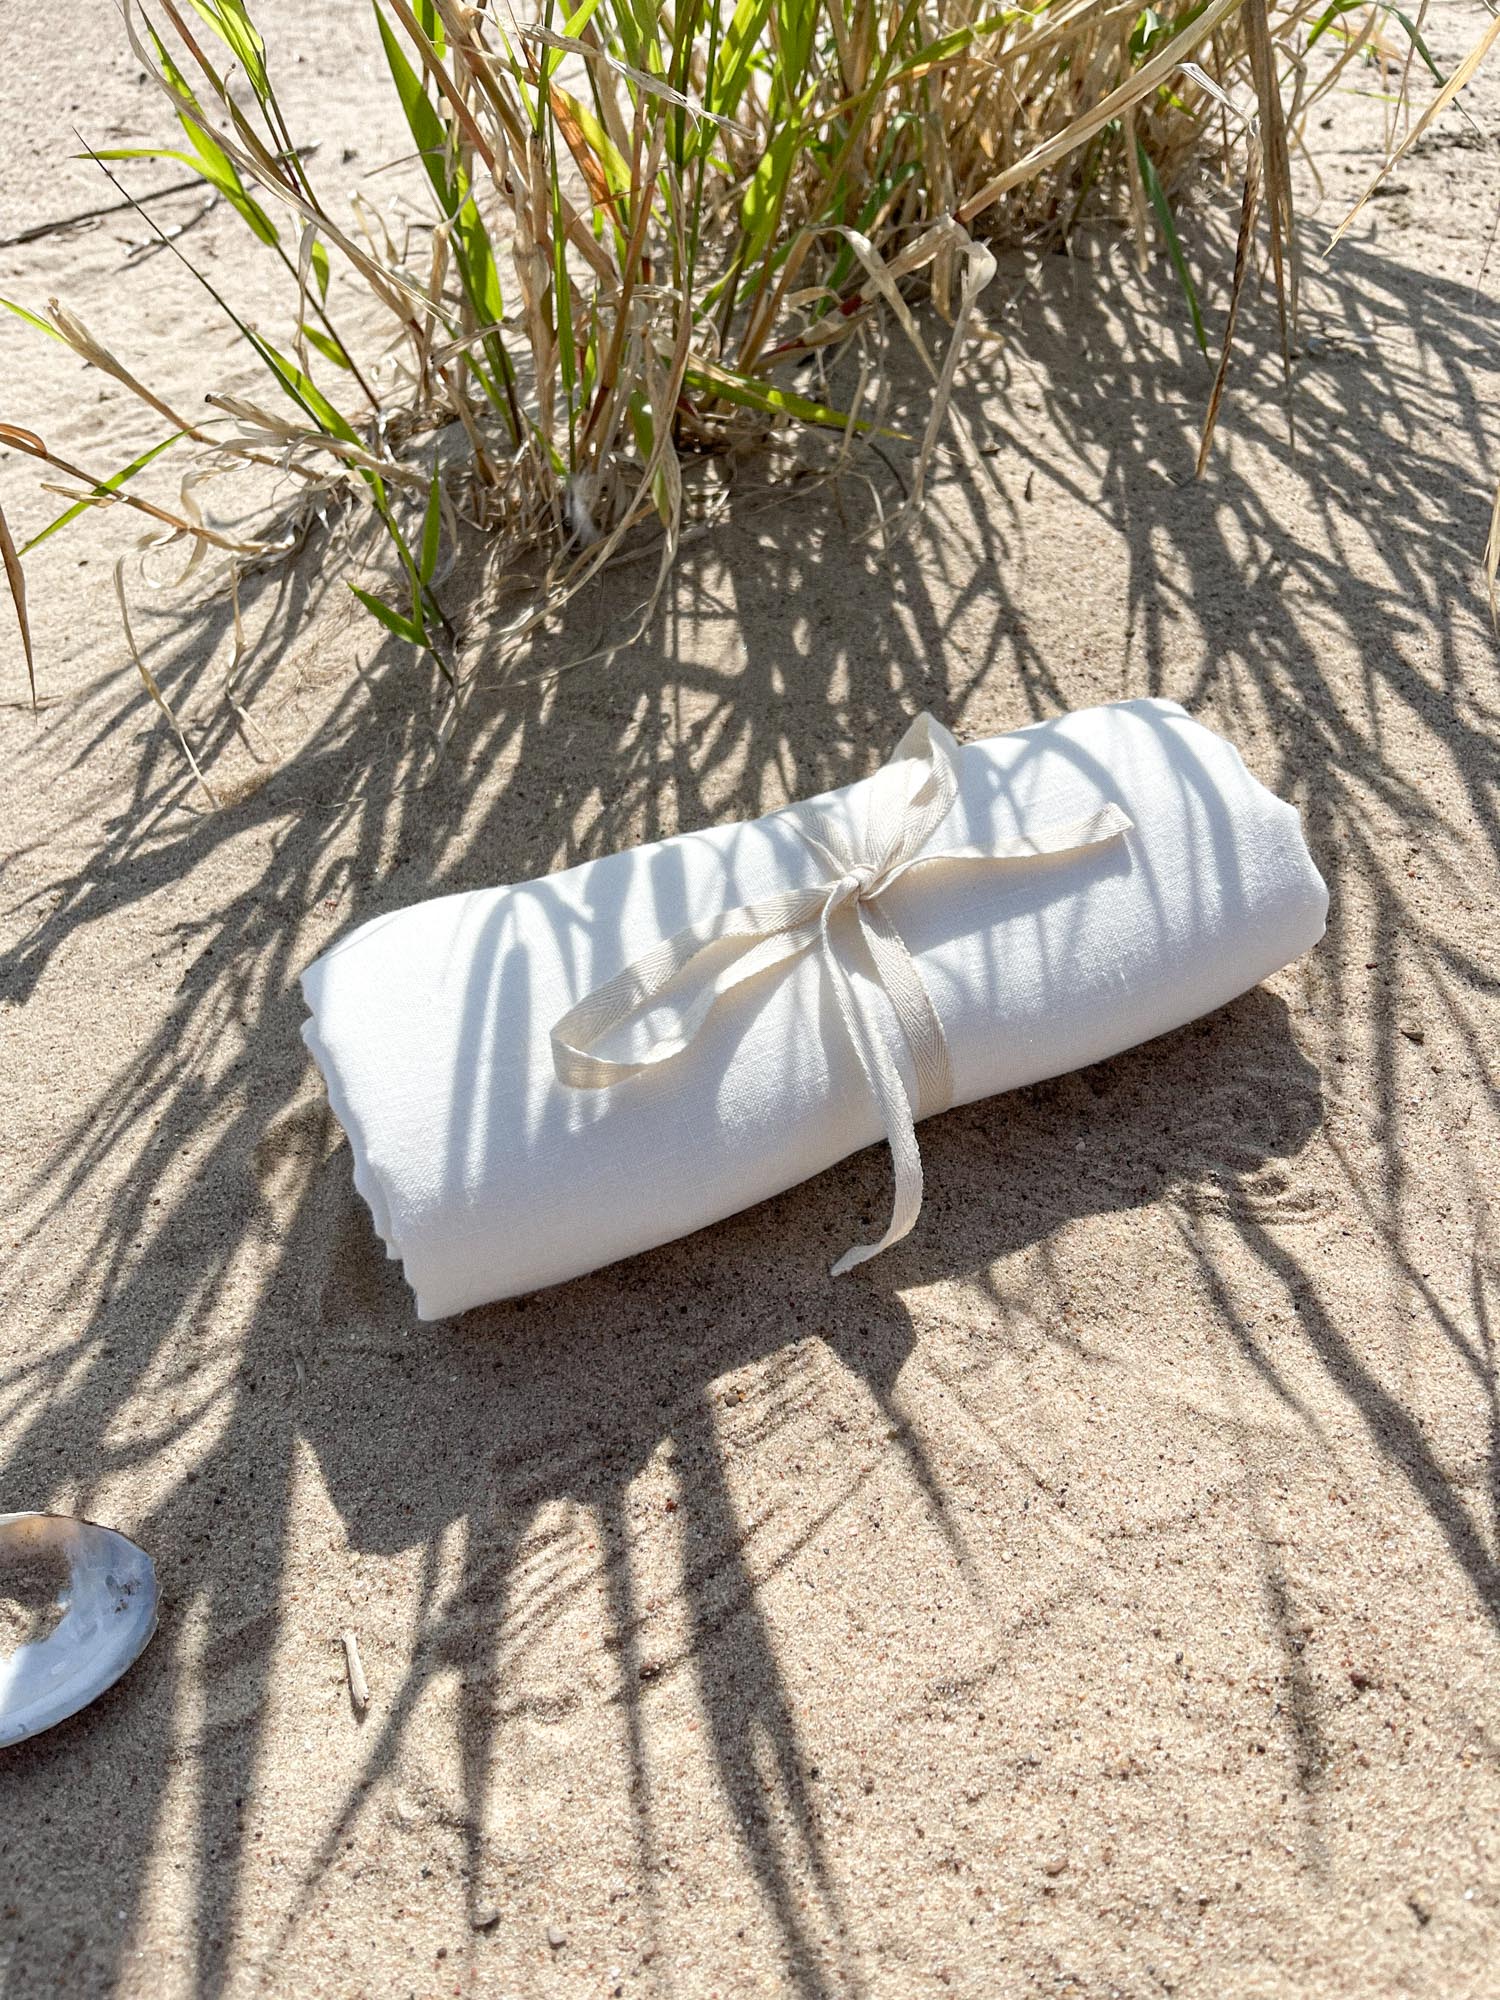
{"x":98,"y":1625}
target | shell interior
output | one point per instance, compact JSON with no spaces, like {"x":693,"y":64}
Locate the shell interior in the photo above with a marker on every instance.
{"x":88,"y":1616}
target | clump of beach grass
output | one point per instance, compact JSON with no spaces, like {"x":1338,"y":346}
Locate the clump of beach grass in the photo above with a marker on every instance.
{"x":648,"y":225}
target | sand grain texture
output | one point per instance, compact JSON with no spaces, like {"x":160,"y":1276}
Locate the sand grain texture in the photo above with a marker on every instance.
{"x":1098,"y":1594}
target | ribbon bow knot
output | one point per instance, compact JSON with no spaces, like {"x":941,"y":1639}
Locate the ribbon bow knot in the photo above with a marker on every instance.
{"x":849,"y":888}
{"x":909,"y":798}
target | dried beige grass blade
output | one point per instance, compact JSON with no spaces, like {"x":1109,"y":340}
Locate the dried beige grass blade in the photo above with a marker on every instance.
{"x":17,"y":579}
{"x":1141,"y":84}
{"x":856,"y":404}
{"x":305,"y":244}
{"x":979,"y":268}
{"x":97,"y":496}
{"x":1440,"y":102}
{"x":149,"y":681}
{"x":396,"y":292}
{"x":839,"y":326}
{"x":652,"y":85}
{"x":596,"y":429}
{"x":192,"y":513}
{"x":1248,"y":210}
{"x":1277,"y":178}
{"x":484,"y":465}
{"x":84,"y":344}
{"x":1137,"y":192}
{"x":577,"y":230}
{"x":880,"y":277}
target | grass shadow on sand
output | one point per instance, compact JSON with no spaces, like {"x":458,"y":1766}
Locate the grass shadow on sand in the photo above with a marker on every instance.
{"x":478,"y":1425}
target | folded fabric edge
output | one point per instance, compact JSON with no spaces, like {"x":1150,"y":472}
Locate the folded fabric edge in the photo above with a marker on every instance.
{"x":367,"y":1181}
{"x":1318,"y":883}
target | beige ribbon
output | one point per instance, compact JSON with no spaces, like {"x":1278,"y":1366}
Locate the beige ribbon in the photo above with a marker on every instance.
{"x":909,"y":799}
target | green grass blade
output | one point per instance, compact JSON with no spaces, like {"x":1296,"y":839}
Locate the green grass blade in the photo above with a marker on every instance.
{"x":1162,"y":206}
{"x":216,"y":168}
{"x":1327,"y":18}
{"x":111,"y":485}
{"x":432,"y":528}
{"x":736,"y":58}
{"x":305,"y":391}
{"x":750,"y":392}
{"x":209,"y":157}
{"x":422,"y":120}
{"x":472,"y":249}
{"x":33,"y":319}
{"x":765,"y":196}
{"x":1414,"y":37}
{"x":326,"y":346}
{"x":390,"y":618}
{"x":141,"y":153}
{"x":231,"y":22}
{"x":795,"y":21}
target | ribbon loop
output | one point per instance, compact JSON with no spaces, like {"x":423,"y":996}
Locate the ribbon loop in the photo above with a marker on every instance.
{"x":908,"y":800}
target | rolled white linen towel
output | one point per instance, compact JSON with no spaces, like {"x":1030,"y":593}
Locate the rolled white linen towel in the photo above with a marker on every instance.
{"x":1180,"y":882}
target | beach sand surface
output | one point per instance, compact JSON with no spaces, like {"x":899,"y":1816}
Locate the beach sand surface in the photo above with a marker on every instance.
{"x":1097,"y":1595}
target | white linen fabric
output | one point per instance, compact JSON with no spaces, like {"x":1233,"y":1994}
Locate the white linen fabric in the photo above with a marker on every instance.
{"x":488,"y":1176}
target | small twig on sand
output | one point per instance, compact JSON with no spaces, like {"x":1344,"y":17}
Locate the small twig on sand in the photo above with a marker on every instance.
{"x":138,"y":248}
{"x":41,"y":229}
{"x":359,"y":1689}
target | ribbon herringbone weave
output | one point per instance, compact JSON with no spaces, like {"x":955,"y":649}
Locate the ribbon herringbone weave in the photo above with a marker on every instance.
{"x":910,"y":798}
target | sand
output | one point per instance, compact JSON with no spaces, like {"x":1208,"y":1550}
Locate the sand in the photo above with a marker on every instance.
{"x":1097,"y":1595}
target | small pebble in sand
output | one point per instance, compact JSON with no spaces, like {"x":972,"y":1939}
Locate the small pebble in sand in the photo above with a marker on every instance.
{"x":1055,"y":1864}
{"x":485,"y":1917}
{"x":556,"y":1938}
